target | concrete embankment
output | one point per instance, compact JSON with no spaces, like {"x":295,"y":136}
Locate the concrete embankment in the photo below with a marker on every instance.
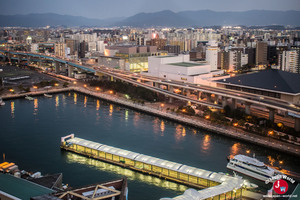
{"x":198,"y":123}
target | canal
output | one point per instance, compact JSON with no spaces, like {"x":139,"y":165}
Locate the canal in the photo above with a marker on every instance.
{"x":31,"y":130}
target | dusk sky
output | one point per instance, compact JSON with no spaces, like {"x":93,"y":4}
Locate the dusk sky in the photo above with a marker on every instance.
{"x":123,"y":8}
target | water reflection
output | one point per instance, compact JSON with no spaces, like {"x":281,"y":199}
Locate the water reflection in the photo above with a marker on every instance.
{"x":35,"y":105}
{"x":180,"y":133}
{"x":56,"y":101}
{"x":85,"y":101}
{"x":126,"y":115}
{"x":155,"y":125}
{"x":111,"y":109}
{"x":75,"y":98}
{"x":271,"y":160}
{"x":234,"y":149}
{"x":12,"y":109}
{"x":136,"y":119}
{"x":131,"y":175}
{"x":206,"y":143}
{"x":162,"y":126}
{"x":98,"y":105}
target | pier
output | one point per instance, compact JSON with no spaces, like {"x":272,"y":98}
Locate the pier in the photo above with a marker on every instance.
{"x":218,"y":185}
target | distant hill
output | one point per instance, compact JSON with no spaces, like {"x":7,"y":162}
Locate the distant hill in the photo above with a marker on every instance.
{"x":51,"y":19}
{"x":162,"y":18}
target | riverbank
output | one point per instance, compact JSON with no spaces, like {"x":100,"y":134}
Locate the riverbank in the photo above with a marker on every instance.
{"x":195,"y":122}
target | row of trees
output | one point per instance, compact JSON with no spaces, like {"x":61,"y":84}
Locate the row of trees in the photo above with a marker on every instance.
{"x":134,"y":92}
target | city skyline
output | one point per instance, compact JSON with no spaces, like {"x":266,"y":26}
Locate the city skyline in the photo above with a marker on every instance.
{"x":103,"y":10}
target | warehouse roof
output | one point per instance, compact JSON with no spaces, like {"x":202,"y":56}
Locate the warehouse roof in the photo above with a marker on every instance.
{"x":21,"y":188}
{"x":270,"y":79}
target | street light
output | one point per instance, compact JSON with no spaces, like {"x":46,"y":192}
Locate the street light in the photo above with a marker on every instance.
{"x":111,"y":92}
{"x":75,"y":82}
{"x":270,"y":132}
{"x":11,"y":90}
{"x":207,"y":117}
{"x":56,"y":84}
{"x":35,"y":87}
{"x":85,"y":85}
{"x":97,"y":88}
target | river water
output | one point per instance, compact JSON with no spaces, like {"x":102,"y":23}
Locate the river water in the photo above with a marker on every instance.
{"x":31,"y":130}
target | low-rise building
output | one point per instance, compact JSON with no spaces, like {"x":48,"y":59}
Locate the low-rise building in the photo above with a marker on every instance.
{"x":180,"y":68}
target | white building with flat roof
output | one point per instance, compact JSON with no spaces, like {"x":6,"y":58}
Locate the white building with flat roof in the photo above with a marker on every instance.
{"x":212,"y":50}
{"x":180,"y":68}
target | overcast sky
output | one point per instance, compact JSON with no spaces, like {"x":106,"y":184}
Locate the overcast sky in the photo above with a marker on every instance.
{"x":123,"y":8}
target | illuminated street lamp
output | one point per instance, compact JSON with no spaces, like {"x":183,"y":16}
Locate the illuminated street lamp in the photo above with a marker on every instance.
{"x":271,"y":132}
{"x":235,"y":124}
{"x":56,"y":84}
{"x":207,"y":117}
{"x":162,"y":106}
{"x":248,"y":151}
{"x":97,"y":88}
{"x":85,"y":85}
{"x":111,"y":92}
{"x":11,"y":90}
{"x":75,"y":82}
{"x":35,"y":87}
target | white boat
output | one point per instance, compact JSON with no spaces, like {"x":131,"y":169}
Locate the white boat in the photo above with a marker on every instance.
{"x":29,"y":98}
{"x":251,"y":167}
{"x":48,"y":95}
{"x":1,"y":102}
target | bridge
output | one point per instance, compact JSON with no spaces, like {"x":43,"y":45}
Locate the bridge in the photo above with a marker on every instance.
{"x":197,"y":94}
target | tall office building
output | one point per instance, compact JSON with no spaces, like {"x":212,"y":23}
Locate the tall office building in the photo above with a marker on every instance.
{"x":212,"y":55}
{"x":59,"y":49}
{"x":83,"y":49}
{"x":261,"y":53}
{"x":289,"y":61}
{"x":73,"y":45}
{"x":237,"y":59}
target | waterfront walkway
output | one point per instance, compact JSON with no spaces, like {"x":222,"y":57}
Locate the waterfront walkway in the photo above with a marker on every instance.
{"x":192,"y":121}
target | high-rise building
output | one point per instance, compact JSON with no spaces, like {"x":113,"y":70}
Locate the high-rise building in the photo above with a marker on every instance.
{"x":83,"y":49}
{"x":212,"y":55}
{"x":73,"y":45}
{"x":237,"y":59}
{"x":261,"y":53}
{"x":223,"y":62}
{"x":289,"y":61}
{"x":59,"y":49}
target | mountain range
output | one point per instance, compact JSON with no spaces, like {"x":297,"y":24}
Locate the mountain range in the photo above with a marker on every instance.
{"x":163,"y":18}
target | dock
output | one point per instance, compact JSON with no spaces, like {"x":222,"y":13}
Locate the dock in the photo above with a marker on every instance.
{"x":218,"y":186}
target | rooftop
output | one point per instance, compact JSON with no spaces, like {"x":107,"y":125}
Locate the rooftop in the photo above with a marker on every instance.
{"x":276,"y":80}
{"x":165,"y":56}
{"x":21,"y":188}
{"x":186,"y":64}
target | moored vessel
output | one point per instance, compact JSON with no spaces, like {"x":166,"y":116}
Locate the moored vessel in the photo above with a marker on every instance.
{"x":252,"y":167}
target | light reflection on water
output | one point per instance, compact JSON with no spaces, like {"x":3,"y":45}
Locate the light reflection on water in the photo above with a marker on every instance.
{"x":206,"y":143}
{"x":111,"y":109}
{"x":56,"y":101}
{"x":12,"y":109}
{"x":36,"y":105}
{"x":98,"y":104}
{"x":130,"y":174}
{"x":85,"y":101}
{"x":75,"y":98}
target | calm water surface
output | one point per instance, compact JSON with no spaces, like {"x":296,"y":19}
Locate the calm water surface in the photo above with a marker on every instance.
{"x":31,"y":130}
